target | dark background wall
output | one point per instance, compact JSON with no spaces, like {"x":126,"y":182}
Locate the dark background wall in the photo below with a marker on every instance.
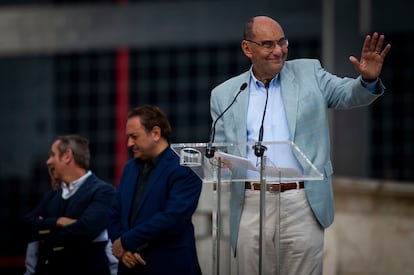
{"x":58,"y":74}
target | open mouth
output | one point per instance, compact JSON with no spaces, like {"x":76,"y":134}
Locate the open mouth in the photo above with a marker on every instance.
{"x":51,"y":170}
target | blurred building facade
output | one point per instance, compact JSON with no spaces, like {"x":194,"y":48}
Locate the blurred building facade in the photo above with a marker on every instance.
{"x":77,"y":66}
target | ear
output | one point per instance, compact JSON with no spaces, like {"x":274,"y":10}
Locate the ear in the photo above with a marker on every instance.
{"x":67,"y":156}
{"x":156,"y":133}
{"x":245,"y":48}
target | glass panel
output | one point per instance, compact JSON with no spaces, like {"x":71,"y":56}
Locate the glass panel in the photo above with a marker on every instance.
{"x":282,"y":162}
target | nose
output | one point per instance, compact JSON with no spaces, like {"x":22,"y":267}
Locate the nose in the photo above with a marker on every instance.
{"x":48,"y":161}
{"x":277,"y":49}
{"x":130,"y":143}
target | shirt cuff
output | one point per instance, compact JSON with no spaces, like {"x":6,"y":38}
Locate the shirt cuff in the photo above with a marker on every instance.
{"x":370,"y":86}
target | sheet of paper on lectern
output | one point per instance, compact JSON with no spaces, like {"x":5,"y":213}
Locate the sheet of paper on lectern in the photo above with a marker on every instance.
{"x":271,"y":169}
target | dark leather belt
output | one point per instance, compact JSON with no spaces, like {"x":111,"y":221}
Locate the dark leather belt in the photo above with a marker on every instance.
{"x":282,"y":187}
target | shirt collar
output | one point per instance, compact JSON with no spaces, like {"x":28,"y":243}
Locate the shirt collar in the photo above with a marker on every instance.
{"x":153,"y":162}
{"x":69,"y":190}
{"x":259,"y":84}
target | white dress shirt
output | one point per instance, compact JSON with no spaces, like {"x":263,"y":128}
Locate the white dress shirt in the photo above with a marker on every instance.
{"x":275,"y":126}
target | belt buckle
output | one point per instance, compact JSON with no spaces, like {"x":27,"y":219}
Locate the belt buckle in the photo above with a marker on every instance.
{"x":272,"y":187}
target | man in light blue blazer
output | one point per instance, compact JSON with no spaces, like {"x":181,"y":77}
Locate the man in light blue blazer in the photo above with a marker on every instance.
{"x":296,"y":95}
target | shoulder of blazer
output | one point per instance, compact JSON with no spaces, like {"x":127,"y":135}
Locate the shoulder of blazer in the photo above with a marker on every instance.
{"x":168,"y":156}
{"x":298,"y":68}
{"x":302,"y":61}
{"x":170,"y":163}
{"x":130,"y":165}
{"x":300,"y":64}
{"x":98,"y":183}
{"x":234,"y":83}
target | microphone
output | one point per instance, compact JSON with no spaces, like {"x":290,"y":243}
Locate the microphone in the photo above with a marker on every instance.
{"x":211,"y":150}
{"x":259,"y":149}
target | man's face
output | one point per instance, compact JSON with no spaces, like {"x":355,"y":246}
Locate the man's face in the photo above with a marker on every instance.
{"x":141,"y":143}
{"x":267,"y":63}
{"x":56,"y":162}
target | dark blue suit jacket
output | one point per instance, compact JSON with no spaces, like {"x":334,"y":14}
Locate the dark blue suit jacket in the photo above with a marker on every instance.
{"x":162,"y":230}
{"x":70,"y":250}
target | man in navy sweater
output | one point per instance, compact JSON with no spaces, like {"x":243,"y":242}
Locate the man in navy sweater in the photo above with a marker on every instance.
{"x":71,"y":223}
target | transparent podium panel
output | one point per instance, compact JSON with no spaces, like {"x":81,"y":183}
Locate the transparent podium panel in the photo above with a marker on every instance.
{"x":229,"y":170}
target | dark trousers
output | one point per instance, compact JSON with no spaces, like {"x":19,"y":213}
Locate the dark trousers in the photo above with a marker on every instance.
{"x":74,"y":260}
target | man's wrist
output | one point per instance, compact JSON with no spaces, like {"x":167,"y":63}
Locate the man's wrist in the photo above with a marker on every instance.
{"x":369,"y":85}
{"x":368,"y":81}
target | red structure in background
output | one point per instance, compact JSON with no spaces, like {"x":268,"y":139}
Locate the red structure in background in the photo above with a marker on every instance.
{"x":121,"y":110}
{"x":121,"y":106}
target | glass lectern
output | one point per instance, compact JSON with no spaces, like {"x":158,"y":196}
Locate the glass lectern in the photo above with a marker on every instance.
{"x":281,"y":162}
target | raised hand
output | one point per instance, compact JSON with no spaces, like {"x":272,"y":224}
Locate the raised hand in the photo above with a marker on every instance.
{"x":372,"y":57}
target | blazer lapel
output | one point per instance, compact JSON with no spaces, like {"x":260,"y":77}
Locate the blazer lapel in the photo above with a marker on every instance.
{"x":239,"y":113}
{"x":154,"y":177}
{"x":130,"y":190}
{"x":290,"y":93}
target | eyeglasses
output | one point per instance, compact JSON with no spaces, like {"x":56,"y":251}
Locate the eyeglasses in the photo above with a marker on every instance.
{"x":270,"y":44}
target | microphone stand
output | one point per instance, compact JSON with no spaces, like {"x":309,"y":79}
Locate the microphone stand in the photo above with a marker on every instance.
{"x":259,"y":150}
{"x":209,"y":153}
{"x":210,"y":150}
{"x":262,"y":213}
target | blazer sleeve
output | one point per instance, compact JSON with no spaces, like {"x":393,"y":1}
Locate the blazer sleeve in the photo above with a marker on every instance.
{"x":89,"y":206}
{"x":36,"y":223}
{"x":93,"y":208}
{"x":120,"y":204}
{"x":165,"y":215}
